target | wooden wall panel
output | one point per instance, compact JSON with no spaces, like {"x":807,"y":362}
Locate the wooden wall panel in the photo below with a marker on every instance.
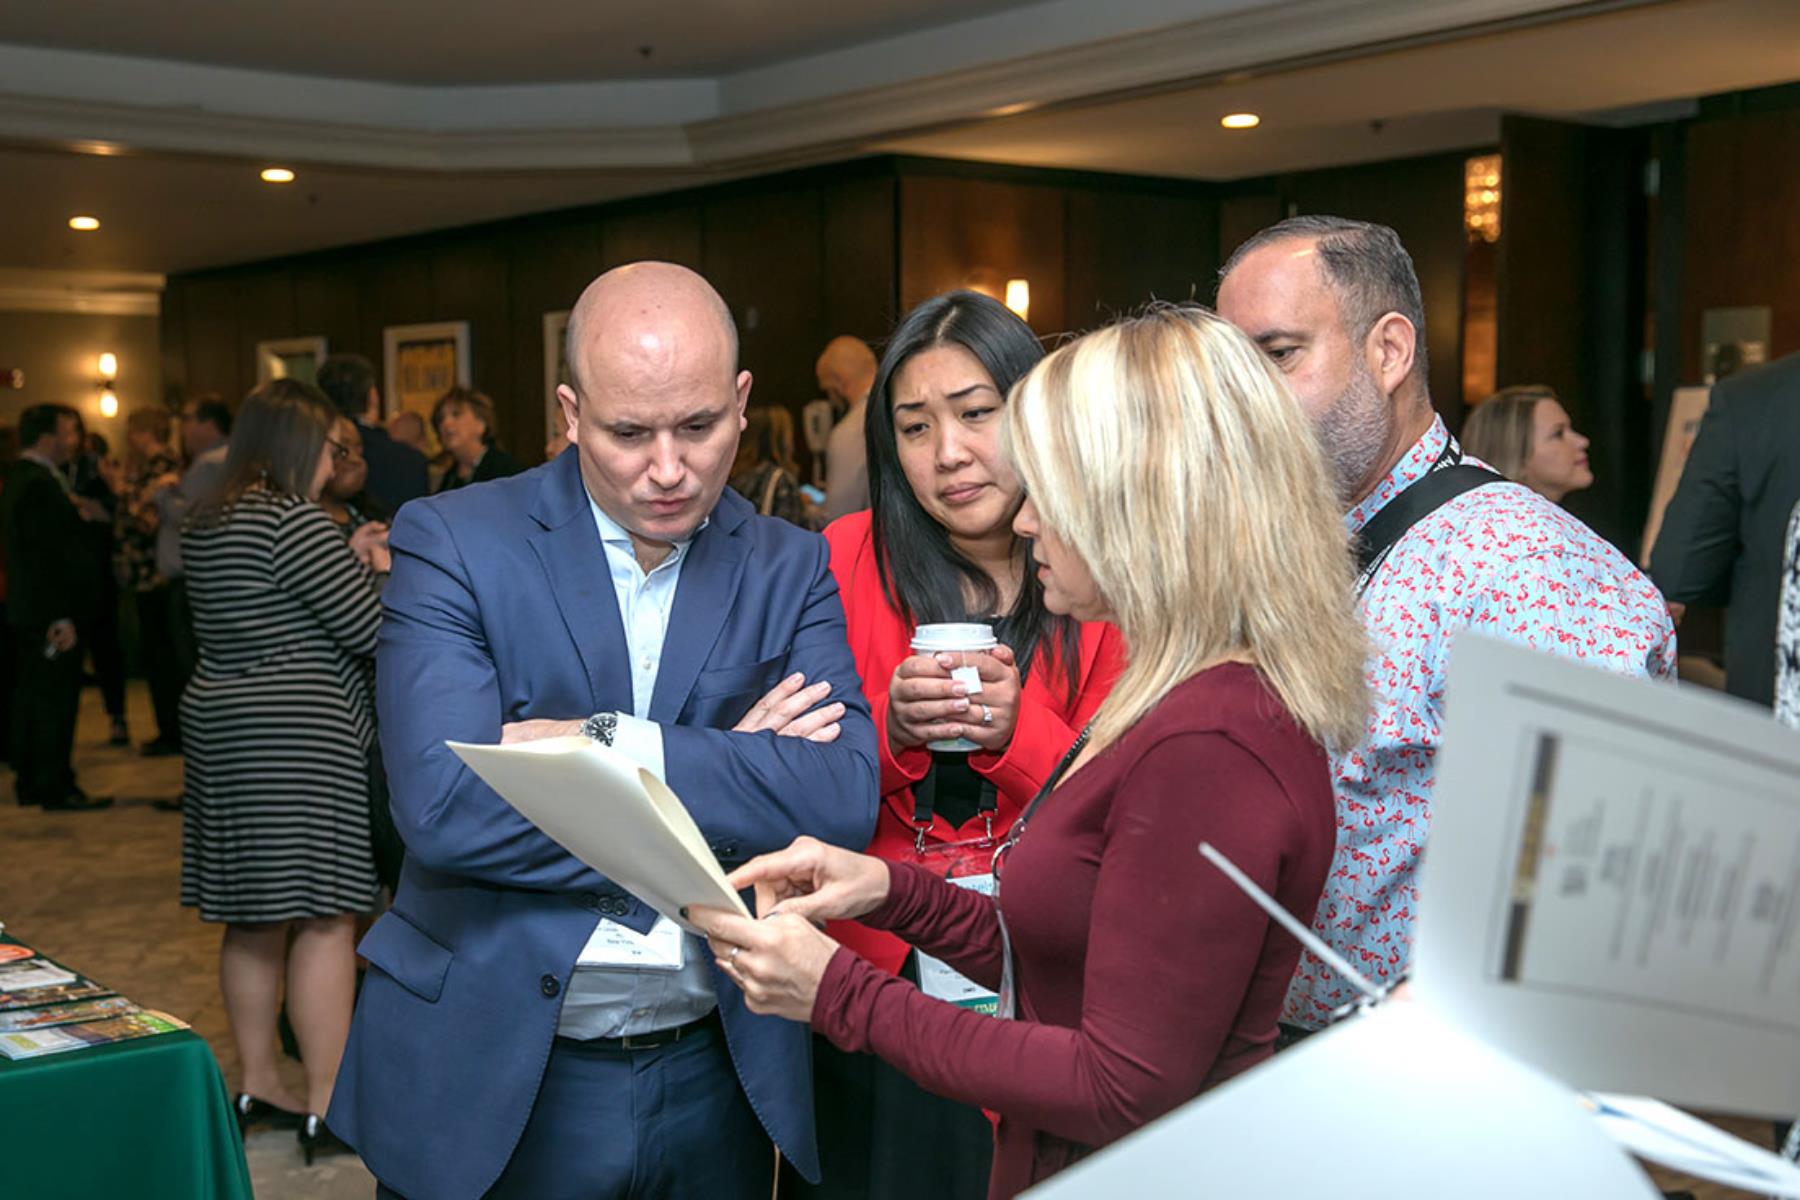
{"x":665,"y":235}
{"x":958,"y":232}
{"x":862,"y":285}
{"x":550,"y":267}
{"x":1127,"y":248}
{"x":470,"y":282}
{"x":1741,"y":233}
{"x":1422,"y":200}
{"x":764,"y":255}
{"x":328,"y":304}
{"x":265,"y":312}
{"x":1567,"y":316}
{"x":214,"y":363}
{"x":172,"y":335}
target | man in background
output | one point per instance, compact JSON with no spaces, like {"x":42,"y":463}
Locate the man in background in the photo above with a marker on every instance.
{"x":846,"y":372}
{"x":1725,"y":529}
{"x":1335,"y":305}
{"x":206,"y":438}
{"x":51,"y":590}
{"x":408,"y":428}
{"x":396,"y":472}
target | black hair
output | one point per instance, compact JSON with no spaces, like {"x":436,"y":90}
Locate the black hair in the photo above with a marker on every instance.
{"x":923,"y":574}
{"x":39,"y":422}
{"x":346,"y":380}
{"x":217,"y":413}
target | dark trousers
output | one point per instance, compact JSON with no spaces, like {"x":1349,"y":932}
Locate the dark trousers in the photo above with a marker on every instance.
{"x":883,"y":1137}
{"x":162,"y":669}
{"x":181,"y":633}
{"x":46,"y":697}
{"x":637,"y":1124}
{"x":100,"y":634}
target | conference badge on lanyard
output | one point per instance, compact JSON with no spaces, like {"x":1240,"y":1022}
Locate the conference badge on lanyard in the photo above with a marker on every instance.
{"x":966,"y":864}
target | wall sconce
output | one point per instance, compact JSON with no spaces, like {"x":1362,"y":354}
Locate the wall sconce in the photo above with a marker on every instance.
{"x":1018,"y":297}
{"x":108,"y":366}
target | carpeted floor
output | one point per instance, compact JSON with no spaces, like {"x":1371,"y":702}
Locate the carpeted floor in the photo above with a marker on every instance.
{"x":100,"y":892}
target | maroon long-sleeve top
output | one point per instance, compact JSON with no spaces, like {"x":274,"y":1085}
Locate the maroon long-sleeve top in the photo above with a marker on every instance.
{"x":1143,"y":975}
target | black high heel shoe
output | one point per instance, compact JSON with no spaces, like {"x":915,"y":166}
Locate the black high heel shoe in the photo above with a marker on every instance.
{"x":315,"y":1138}
{"x":251,"y":1111}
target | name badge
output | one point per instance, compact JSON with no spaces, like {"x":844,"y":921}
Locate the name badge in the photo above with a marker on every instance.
{"x":621,"y":948}
{"x":940,"y":982}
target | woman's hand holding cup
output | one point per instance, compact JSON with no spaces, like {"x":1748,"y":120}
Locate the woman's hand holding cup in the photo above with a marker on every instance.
{"x":926,"y":704}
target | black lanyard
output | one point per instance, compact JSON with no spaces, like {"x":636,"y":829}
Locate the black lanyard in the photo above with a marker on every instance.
{"x":925,"y":801}
{"x":1447,"y":478}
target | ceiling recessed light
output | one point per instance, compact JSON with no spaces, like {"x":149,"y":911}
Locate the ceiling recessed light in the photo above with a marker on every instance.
{"x":277,"y":175}
{"x":1240,"y":120}
{"x":84,"y":224}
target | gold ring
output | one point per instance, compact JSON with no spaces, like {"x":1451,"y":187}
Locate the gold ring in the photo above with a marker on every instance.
{"x":732,"y":957}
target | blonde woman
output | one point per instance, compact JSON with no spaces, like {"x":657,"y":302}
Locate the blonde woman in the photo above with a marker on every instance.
{"x":1177,"y":491}
{"x":1525,"y":434}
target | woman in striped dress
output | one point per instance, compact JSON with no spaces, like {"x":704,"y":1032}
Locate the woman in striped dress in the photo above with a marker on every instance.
{"x":277,"y":724}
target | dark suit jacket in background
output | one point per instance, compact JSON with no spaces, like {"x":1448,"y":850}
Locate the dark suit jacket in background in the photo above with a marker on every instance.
{"x":51,"y":574}
{"x":396,"y":473}
{"x":495,"y":464}
{"x":501,"y":608}
{"x":1725,"y":529}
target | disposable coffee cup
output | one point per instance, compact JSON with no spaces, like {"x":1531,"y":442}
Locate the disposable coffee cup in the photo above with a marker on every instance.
{"x":951,"y":638}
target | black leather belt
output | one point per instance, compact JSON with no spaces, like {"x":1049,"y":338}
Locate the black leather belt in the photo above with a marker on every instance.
{"x":656,"y":1039}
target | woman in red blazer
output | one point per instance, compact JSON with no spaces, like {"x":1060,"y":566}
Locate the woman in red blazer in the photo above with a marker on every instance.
{"x":938,"y":546}
{"x":1176,"y":490}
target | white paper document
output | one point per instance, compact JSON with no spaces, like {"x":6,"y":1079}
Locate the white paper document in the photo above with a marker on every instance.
{"x":1390,"y":1105}
{"x":1611,"y":889}
{"x":1652,"y":1130}
{"x":611,"y":814}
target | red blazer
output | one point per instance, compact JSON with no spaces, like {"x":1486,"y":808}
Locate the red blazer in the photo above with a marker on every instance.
{"x":1143,"y":975}
{"x":880,"y":639}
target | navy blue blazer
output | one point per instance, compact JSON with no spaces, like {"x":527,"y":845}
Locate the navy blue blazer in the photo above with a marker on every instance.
{"x":501,"y":608}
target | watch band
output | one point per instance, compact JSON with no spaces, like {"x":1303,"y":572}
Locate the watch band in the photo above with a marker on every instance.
{"x":601,"y":727}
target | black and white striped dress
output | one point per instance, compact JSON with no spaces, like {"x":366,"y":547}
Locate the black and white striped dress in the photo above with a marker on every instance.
{"x":278,"y":719}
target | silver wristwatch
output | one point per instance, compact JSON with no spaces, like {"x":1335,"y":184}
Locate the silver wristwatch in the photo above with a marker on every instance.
{"x":601,"y":727}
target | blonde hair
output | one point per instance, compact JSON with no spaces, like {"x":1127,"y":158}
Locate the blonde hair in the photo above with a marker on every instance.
{"x":1169,"y":454}
{"x":1499,"y":430}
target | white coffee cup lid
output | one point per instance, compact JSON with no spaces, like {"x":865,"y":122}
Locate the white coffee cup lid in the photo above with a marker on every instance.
{"x":953,"y":636}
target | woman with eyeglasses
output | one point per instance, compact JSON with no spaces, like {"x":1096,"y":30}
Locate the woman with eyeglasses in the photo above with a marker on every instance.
{"x":346,"y":499}
{"x":278,"y":722}
{"x":1175,"y":490}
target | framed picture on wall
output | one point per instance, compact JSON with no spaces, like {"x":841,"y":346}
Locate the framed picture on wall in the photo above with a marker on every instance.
{"x":290,"y":358}
{"x":423,"y":362}
{"x":556,"y":371}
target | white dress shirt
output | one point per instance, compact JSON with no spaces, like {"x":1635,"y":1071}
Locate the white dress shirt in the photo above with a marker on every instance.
{"x":612,"y":1001}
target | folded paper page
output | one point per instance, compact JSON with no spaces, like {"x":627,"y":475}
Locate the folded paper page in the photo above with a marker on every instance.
{"x":1394,"y":1085}
{"x":611,"y":814}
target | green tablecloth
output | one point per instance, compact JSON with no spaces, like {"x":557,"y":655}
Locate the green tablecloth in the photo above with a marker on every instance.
{"x":147,"y":1119}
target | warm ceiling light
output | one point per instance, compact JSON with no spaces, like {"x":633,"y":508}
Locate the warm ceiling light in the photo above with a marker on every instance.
{"x":277,"y":175}
{"x":1018,"y":297}
{"x":109,"y":365}
{"x":109,"y":404}
{"x":84,"y":224}
{"x":1240,"y":120}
